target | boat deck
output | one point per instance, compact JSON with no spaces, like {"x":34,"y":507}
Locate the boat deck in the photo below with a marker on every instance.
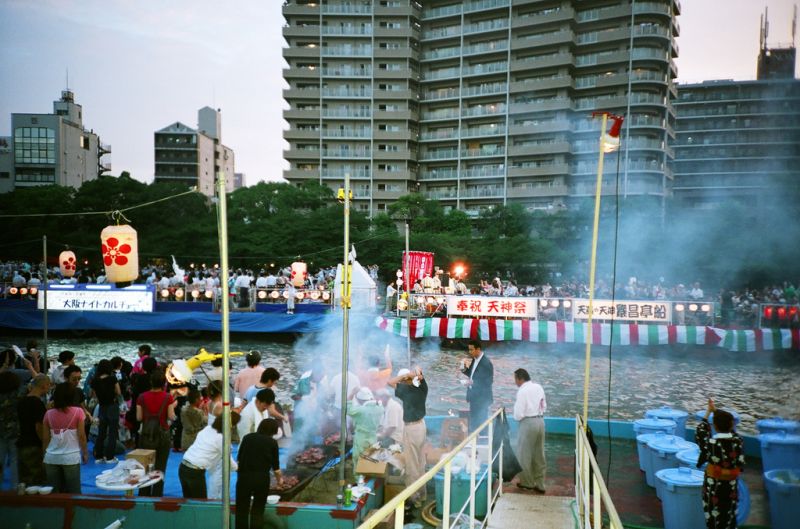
{"x":546,"y":512}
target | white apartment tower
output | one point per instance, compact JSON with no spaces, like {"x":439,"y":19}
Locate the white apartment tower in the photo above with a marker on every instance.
{"x":477,"y":103}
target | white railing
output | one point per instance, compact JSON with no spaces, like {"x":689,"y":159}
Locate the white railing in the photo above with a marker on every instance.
{"x":591,"y":494}
{"x":397,"y":504}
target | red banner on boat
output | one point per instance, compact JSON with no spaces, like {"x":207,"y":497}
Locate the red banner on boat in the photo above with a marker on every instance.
{"x":416,"y":265}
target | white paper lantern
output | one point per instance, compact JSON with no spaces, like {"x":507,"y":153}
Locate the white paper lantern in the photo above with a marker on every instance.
{"x":299,"y":273}
{"x":120,"y":253}
{"x":67,"y":263}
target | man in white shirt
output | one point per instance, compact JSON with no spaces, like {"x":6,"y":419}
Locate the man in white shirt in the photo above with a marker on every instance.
{"x":529,"y":410}
{"x":696,"y":293}
{"x":255,"y":412}
{"x":391,"y":429}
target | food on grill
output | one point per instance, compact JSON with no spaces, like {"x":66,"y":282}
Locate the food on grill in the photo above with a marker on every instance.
{"x":288,"y":483}
{"x":332,"y":439}
{"x":309,"y":456}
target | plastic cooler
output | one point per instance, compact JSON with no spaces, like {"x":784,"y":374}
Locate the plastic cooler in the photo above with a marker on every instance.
{"x":641,"y":448}
{"x":783,"y":489}
{"x":778,"y":424}
{"x":779,"y":450}
{"x":662,"y":454}
{"x":459,"y":492}
{"x":682,"y":498}
{"x":666,"y":412}
{"x":702,"y":413}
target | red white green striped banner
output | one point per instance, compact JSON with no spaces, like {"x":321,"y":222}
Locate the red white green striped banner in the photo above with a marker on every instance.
{"x":601,"y":333}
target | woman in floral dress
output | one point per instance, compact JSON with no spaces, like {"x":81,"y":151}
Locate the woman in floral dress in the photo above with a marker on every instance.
{"x":724,"y":452}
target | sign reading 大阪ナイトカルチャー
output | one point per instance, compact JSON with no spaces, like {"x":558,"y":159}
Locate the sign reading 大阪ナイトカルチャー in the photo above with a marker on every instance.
{"x":491,"y":307}
{"x":604,"y":309}
{"x":98,"y":298}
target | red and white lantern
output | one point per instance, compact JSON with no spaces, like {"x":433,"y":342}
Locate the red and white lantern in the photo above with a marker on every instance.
{"x":67,"y":263}
{"x":299,"y":273}
{"x":120,"y":253}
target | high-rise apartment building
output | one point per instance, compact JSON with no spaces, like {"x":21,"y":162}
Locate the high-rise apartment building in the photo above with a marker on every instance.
{"x":478,"y":103}
{"x":47,"y":149}
{"x":740,"y":140}
{"x":194,"y":156}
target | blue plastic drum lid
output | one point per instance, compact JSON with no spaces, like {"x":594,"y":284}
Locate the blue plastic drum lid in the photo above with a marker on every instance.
{"x":689,"y":456}
{"x":777,"y":423}
{"x":779,"y":438}
{"x":784,"y":477}
{"x":671,"y":444}
{"x":653,"y":423}
{"x":700,"y":414}
{"x":665,"y":412}
{"x":681,"y":477}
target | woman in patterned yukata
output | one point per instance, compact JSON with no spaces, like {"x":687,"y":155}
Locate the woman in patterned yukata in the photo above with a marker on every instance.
{"x":724,"y":452}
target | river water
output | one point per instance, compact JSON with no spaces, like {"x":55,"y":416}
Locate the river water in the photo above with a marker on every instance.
{"x":756,"y":385}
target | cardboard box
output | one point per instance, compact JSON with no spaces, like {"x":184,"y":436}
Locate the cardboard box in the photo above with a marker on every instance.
{"x":454,"y":430}
{"x":144,"y":456}
{"x":386,"y":523}
{"x":390,"y":490}
{"x":433,"y":453}
{"x":371,"y":468}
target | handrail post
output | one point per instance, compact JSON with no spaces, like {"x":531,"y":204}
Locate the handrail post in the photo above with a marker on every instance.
{"x":474,"y":461}
{"x":489,"y":456}
{"x":399,"y":515}
{"x":446,"y":507}
{"x":500,"y":455}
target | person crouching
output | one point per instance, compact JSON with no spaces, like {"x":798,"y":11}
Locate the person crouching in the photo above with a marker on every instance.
{"x":205,"y":453}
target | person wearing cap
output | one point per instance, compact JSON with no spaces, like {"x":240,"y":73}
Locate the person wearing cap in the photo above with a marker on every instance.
{"x":529,"y":411}
{"x":412,"y":389}
{"x":367,"y":415}
{"x":65,"y":359}
{"x":479,"y":386}
{"x":250,"y":375}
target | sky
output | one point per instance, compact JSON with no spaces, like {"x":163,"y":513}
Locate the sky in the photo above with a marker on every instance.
{"x":137,"y":67}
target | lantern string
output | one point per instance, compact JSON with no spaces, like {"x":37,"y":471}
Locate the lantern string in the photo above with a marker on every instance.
{"x":117,"y":214}
{"x":109,"y":212}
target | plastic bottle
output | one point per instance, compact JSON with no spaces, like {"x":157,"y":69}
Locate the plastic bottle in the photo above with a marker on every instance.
{"x":348,"y":495}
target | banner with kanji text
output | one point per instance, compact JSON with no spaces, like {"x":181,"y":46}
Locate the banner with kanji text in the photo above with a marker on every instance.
{"x":416,"y":265}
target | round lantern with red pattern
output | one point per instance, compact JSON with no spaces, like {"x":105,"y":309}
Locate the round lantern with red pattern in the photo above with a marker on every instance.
{"x":67,"y":263}
{"x":120,"y":253}
{"x":299,"y":273}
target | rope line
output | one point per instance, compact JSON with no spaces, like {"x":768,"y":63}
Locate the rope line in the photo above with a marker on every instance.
{"x":115,"y":214}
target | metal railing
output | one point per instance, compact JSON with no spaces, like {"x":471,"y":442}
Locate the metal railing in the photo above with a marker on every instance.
{"x":397,"y":504}
{"x":591,"y":494}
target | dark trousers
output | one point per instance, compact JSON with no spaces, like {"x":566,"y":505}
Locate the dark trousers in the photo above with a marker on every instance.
{"x":193,"y":482}
{"x":244,"y":297}
{"x":162,"y":453}
{"x":31,"y":465}
{"x":251,"y":497}
{"x":478,"y":413}
{"x":106,"y":443}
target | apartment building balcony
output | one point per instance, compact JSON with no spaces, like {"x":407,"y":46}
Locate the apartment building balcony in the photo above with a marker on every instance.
{"x":389,"y":53}
{"x":484,"y":5}
{"x":439,"y":174}
{"x":401,"y":74}
{"x":543,"y":61}
{"x":398,"y":135}
{"x":541,"y":105}
{"x":301,"y":174}
{"x":397,"y":11}
{"x":402,"y":154}
{"x":494,"y":171}
{"x":491,"y":109}
{"x":396,"y":33}
{"x":378,"y":194}
{"x":441,"y":12}
{"x":346,"y":133}
{"x":483,"y":152}
{"x":347,"y":9}
{"x":439,"y":115}
{"x":541,"y":83}
{"x":300,"y":134}
{"x":483,"y":131}
{"x":293,"y":93}
{"x":345,"y":113}
{"x":295,"y":113}
{"x":395,"y":94}
{"x":404,"y":114}
{"x":344,"y":93}
{"x":540,"y":170}
{"x":346,"y":31}
{"x":294,"y":153}
{"x":339,"y":174}
{"x":438,"y":134}
{"x":559,"y":14}
{"x":604,"y":13}
{"x":442,"y":73}
{"x":483,"y":69}
{"x":440,"y":54}
{"x":363,"y":154}
{"x":482,"y":192}
{"x":553,"y":38}
{"x":300,"y":32}
{"x":537,"y":149}
{"x":486,"y":26}
{"x":175,"y":147}
{"x":535,"y":190}
{"x":601,"y":58}
{"x":485,"y":48}
{"x":441,"y":154}
{"x":344,"y":72}
{"x":294,"y":72}
{"x":542,"y":127}
{"x":346,"y":51}
{"x":398,"y":176}
{"x":483,"y":90}
{"x":653,"y":8}
{"x":448,"y":32}
{"x":441,"y":195}
{"x":300,"y":52}
{"x":650,"y":54}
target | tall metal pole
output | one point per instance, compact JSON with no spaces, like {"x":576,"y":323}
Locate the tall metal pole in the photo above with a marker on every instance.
{"x":628,"y":107}
{"x":345,"y":326}
{"x":222,"y":209}
{"x":44,"y":286}
{"x":592,"y":266}
{"x":408,"y":290}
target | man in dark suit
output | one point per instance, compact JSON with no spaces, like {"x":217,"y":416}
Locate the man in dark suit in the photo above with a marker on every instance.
{"x":479,"y":386}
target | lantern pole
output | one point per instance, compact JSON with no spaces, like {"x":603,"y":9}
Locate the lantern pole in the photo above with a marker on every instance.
{"x":408,"y":292}
{"x":226,"y":397}
{"x":345,"y":328}
{"x":44,"y":295}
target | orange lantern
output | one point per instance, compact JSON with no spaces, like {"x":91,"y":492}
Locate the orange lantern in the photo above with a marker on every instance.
{"x":299,"y":273}
{"x":67,"y":263}
{"x":120,"y":253}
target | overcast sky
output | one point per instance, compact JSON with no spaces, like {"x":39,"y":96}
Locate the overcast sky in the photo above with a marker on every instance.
{"x":139,"y":66}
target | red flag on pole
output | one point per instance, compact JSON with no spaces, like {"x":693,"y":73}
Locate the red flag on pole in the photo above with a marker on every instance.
{"x":416,"y":265}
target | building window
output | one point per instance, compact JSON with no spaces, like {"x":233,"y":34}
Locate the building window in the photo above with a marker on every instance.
{"x":4,"y":175}
{"x":34,"y":145}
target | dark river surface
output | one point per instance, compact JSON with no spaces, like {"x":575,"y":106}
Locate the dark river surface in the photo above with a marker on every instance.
{"x":756,"y":385}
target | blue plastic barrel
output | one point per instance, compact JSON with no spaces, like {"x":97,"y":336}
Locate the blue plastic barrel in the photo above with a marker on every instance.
{"x":459,"y":492}
{"x":641,"y":447}
{"x":666,"y":412}
{"x":642,"y":426}
{"x":702,"y":413}
{"x":682,"y":498}
{"x":662,"y":455}
{"x":783,"y":489}
{"x":779,"y":450}
{"x":688,"y":458}
{"x":777,"y":424}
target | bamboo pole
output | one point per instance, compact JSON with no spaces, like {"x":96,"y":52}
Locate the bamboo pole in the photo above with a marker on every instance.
{"x":345,"y":328}
{"x":226,"y":396}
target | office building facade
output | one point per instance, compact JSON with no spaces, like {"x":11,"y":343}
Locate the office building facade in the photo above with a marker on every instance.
{"x":478,"y":103}
{"x":194,"y":156}
{"x":52,"y":149}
